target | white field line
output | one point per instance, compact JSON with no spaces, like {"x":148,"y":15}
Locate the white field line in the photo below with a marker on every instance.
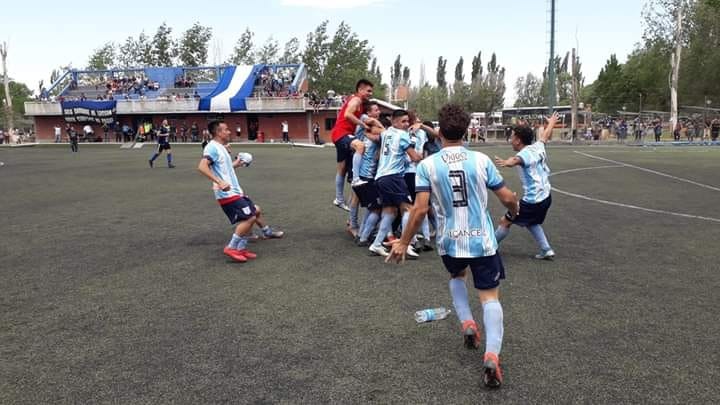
{"x":581,"y":169}
{"x":649,"y":171}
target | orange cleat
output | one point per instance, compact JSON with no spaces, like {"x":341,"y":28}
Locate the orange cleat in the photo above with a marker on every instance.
{"x":234,"y":254}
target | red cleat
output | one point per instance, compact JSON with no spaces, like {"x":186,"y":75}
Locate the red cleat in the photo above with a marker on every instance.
{"x":492,"y":373}
{"x":248,"y":254}
{"x":235,"y":255}
{"x":471,"y":334}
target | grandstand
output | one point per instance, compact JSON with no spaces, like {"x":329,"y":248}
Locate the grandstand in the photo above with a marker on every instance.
{"x":253,"y":99}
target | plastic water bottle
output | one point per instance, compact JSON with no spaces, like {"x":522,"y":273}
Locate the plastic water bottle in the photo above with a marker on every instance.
{"x":433,"y":314}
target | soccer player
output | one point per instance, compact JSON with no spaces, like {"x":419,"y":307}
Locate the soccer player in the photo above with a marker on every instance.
{"x":163,"y":144}
{"x":72,"y":137}
{"x":395,"y":143}
{"x":456,"y":180}
{"x":531,"y":161}
{"x":219,"y":167}
{"x":342,"y":135}
{"x":367,"y":193}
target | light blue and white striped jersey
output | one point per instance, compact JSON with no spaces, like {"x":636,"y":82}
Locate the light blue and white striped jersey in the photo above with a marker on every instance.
{"x":221,"y":165}
{"x":458,"y":179}
{"x":360,"y":130}
{"x":534,"y":173}
{"x":394,"y":143}
{"x":420,"y":141}
{"x":369,"y":159}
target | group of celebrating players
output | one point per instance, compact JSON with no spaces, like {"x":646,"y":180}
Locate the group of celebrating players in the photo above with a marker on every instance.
{"x":408,"y":176}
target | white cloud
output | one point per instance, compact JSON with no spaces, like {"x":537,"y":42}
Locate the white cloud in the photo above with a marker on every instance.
{"x":330,"y":3}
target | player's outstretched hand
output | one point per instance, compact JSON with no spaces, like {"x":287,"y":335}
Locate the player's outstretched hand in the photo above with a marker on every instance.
{"x":397,"y":252}
{"x":554,"y":118}
{"x":500,"y":162}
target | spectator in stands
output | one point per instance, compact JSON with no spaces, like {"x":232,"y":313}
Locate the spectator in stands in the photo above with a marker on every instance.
{"x":194,"y":132}
{"x":88,"y":133}
{"x":196,"y":95}
{"x":127,"y":133}
{"x":105,"y":129}
{"x":186,"y":96}
{"x":183,"y":131}
{"x":118,"y":131}
{"x":82,"y":97}
{"x":58,"y":133}
{"x":285,"y":131}
{"x":657,"y":129}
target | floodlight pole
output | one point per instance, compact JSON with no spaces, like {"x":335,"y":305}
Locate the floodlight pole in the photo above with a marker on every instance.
{"x":552,"y":94}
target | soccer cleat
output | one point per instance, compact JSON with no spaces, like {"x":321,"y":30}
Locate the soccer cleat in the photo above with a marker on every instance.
{"x":363,"y":243}
{"x":272,"y":234}
{"x":492,"y":373}
{"x":411,"y":253}
{"x":471,"y":335}
{"x":545,"y":255}
{"x":248,"y":254}
{"x":234,"y":254}
{"x":378,"y":251}
{"x":358,"y":182}
{"x":151,"y":163}
{"x":171,"y":166}
{"x":341,"y":205}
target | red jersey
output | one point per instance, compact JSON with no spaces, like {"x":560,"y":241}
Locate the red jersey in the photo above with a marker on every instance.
{"x":343,"y":126}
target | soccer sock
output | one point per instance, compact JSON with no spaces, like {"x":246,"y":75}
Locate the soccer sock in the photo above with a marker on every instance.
{"x":169,"y":158}
{"x":242,"y":243}
{"x":537,"y":232}
{"x":459,"y":294}
{"x":385,"y":228}
{"x":371,"y":220}
{"x":501,"y":233}
{"x":234,"y":241}
{"x":405,"y":219}
{"x":339,"y":187}
{"x":425,"y":228}
{"x":354,"y":216}
{"x":493,"y":321}
{"x":154,"y":156}
{"x":266,"y":230}
{"x":357,"y":162}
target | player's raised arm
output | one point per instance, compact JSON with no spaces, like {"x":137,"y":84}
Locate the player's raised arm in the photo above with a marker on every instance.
{"x":509,"y":162}
{"x":547,"y":133}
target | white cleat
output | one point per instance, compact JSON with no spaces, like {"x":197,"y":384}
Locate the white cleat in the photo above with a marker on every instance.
{"x":358,"y":182}
{"x":545,"y":255}
{"x":341,"y":205}
{"x":411,"y":253}
{"x":379,"y":251}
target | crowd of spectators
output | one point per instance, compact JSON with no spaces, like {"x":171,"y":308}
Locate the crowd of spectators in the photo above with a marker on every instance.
{"x":275,"y":82}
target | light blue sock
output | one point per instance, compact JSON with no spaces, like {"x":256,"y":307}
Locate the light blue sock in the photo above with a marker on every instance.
{"x":539,"y":235}
{"x":169,"y":158}
{"x":493,"y":321}
{"x":242,"y":243}
{"x":371,"y":220}
{"x":501,"y":233}
{"x":357,"y":164}
{"x":339,"y":187}
{"x":459,"y":294}
{"x":385,"y":227}
{"x":234,"y":241}
{"x":425,"y":228}
{"x":354,"y":216}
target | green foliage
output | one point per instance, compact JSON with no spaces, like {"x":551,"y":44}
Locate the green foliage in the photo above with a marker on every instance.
{"x":193,"y":46}
{"x":292,"y":51}
{"x":268,"y":53}
{"x":103,"y":57}
{"x":315,"y":54}
{"x":441,"y":75}
{"x":243,"y":52}
{"x":163,"y":46}
{"x":396,"y":73}
{"x":19,"y":94}
{"x":529,"y":91}
{"x":375,"y":76}
{"x":427,"y":101}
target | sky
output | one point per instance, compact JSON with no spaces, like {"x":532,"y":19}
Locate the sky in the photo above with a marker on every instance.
{"x":43,"y":35}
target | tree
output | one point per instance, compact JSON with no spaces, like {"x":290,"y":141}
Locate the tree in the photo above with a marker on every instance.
{"x":375,"y":76}
{"x":6,"y":83}
{"x":441,"y":73}
{"x":145,"y":51}
{"x":460,"y":90}
{"x":477,"y":69}
{"x":315,"y":54}
{"x":243,"y":53}
{"x":529,"y":91}
{"x":406,"y":76}
{"x":396,"y":74}
{"x":163,"y":46}
{"x":102,"y":58}
{"x":426,"y":100}
{"x":129,"y":53}
{"x":268,"y":53}
{"x":193,"y":47}
{"x":291,"y":54}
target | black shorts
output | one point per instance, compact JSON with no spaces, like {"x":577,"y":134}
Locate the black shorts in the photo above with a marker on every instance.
{"x":163,"y":146}
{"x":239,"y":210}
{"x":410,"y":183}
{"x":393,"y":190}
{"x":487,"y":271}
{"x":532,"y":214}
{"x":368,"y":194}
{"x":343,"y":149}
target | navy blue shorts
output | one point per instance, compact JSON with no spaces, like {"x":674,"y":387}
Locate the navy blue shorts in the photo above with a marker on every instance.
{"x":487,"y":271}
{"x":392,"y":190}
{"x":410,"y":182}
{"x":368,"y":194}
{"x":163,"y":146}
{"x":239,"y":210}
{"x":532,"y":214}
{"x":343,"y":149}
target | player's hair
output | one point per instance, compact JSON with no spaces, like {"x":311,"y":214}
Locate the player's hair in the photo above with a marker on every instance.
{"x":368,"y":105}
{"x":213,"y":126}
{"x":524,"y":134}
{"x":385,"y":121}
{"x":413,"y":116}
{"x":362,"y":83}
{"x":454,"y":122}
{"x":399,"y":113}
{"x":429,"y":134}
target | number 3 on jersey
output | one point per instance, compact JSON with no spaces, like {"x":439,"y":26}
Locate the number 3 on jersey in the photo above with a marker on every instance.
{"x":459,"y":188}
